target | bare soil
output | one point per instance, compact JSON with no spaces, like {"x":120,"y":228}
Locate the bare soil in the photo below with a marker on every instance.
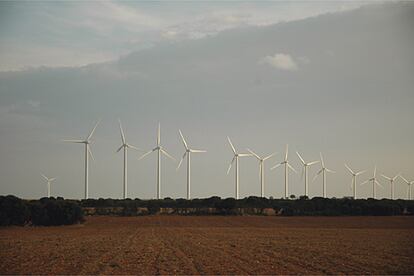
{"x":212,"y":245}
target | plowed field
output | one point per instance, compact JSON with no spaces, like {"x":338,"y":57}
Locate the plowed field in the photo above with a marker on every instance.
{"x":212,"y":245}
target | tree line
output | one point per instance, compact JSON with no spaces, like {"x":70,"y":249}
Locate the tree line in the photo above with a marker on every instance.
{"x":59,"y":211}
{"x":303,"y":206}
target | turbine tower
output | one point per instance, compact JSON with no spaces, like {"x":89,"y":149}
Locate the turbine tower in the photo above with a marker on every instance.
{"x":287,"y":167}
{"x":323,"y":170}
{"x":159,"y":150}
{"x":305,"y":170}
{"x":48,"y":180}
{"x":354,"y":175}
{"x":125,"y":146}
{"x":187,"y":153}
{"x":391,"y":180}
{"x":236,"y":158}
{"x":374,"y":181}
{"x":409,"y":183}
{"x":88,"y":152}
{"x":261,"y":170}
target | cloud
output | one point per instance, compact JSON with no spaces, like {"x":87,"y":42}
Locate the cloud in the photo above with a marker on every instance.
{"x":282,"y":62}
{"x":80,"y":33}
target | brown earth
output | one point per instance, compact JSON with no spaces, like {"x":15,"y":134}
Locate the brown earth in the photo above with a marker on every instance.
{"x":212,"y":245}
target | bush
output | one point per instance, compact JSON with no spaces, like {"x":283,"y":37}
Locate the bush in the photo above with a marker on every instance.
{"x":55,"y":212}
{"x":46,"y":211}
{"x":13,"y":211}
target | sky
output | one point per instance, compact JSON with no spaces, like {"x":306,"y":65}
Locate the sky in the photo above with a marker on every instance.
{"x":331,"y":77}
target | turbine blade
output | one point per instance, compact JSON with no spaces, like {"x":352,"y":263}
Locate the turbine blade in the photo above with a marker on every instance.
{"x":360,"y":172}
{"x":93,"y":130}
{"x":145,"y":154}
{"x":269,"y":156}
{"x":231,"y":145}
{"x":181,"y":161}
{"x":119,"y":148}
{"x":386,"y":177}
{"x":122,"y":132}
{"x":379,"y":184}
{"x":313,"y":163}
{"x":254,"y":154}
{"x":316,"y":175}
{"x":52,"y":179}
{"x":197,"y":151}
{"x":159,"y":134}
{"x":168,"y":155}
{"x":90,"y":152}
{"x":404,"y":179}
{"x":134,"y":147}
{"x":274,"y":167}
{"x":395,"y":177}
{"x":331,"y":171}
{"x":349,"y":169}
{"x":290,"y":167}
{"x":375,"y":170}
{"x":287,"y":150}
{"x":182,"y":138}
{"x":365,"y":182}
{"x":231,"y":163}
{"x":323,"y":163}
{"x":244,"y":154}
{"x":47,"y":179}
{"x":301,"y":159}
{"x":74,"y":141}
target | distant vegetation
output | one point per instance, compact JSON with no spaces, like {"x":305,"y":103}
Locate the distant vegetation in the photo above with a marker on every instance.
{"x":45,"y":211}
{"x":51,"y":211}
{"x":303,"y":206}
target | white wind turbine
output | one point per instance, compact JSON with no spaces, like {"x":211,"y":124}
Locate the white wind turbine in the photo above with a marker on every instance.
{"x":236,"y":158}
{"x":48,"y":180}
{"x":261,"y":169}
{"x":391,"y":180}
{"x":125,"y":146}
{"x":409,"y":183}
{"x":305,"y":170}
{"x":88,"y":151}
{"x":374,"y":181}
{"x":323,"y":170}
{"x":287,"y":167}
{"x":354,"y":175}
{"x":187,"y":153}
{"x":159,"y":150}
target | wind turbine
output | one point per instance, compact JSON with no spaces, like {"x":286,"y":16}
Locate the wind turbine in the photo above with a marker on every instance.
{"x":374,"y":181}
{"x":391,"y":180}
{"x":187,"y":153}
{"x":236,"y":158}
{"x":159,"y":150}
{"x":409,"y":183}
{"x":261,"y":169}
{"x":88,"y":151}
{"x":125,"y":146}
{"x":287,"y":167}
{"x":354,"y":175}
{"x":305,"y":170}
{"x":323,"y":170}
{"x":48,"y":180}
